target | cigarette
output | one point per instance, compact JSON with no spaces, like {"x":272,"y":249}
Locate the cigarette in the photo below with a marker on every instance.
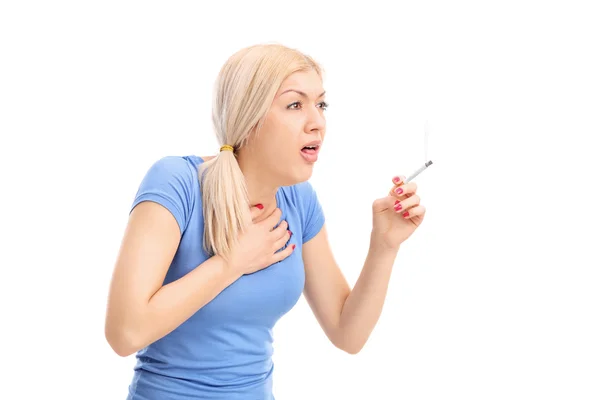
{"x":417,"y":172}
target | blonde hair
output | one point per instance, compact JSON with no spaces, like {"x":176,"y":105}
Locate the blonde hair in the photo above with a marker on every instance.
{"x":244,"y":91}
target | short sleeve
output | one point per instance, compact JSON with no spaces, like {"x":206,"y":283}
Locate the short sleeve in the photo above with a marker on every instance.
{"x":311,"y":211}
{"x":169,"y":182}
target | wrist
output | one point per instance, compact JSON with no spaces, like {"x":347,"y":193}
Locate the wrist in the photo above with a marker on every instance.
{"x":230,"y":271}
{"x":380,"y":246}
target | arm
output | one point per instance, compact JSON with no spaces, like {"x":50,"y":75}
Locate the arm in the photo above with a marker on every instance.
{"x":140,"y":310}
{"x":346,"y":316}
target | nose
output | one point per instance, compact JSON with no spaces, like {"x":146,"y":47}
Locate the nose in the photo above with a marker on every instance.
{"x":315,"y":121}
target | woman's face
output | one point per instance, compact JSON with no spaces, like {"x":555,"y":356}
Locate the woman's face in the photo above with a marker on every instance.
{"x":288,"y":143}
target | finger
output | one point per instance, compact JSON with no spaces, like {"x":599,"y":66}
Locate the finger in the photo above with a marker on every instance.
{"x":403,"y":190}
{"x":407,"y":203}
{"x":283,"y":254}
{"x":255,"y":211}
{"x":272,"y":220}
{"x":282,"y":240}
{"x":414,"y":212}
{"x":280,"y":231}
{"x":398,"y":180}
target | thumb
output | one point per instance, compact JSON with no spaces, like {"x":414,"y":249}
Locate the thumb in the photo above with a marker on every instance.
{"x":255,"y":211}
{"x":383,"y":204}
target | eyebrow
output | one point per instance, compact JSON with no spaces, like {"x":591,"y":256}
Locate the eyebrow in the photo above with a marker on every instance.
{"x":301,"y":93}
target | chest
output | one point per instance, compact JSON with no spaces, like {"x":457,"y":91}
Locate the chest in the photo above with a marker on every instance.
{"x":262,"y":297}
{"x":258,"y":298}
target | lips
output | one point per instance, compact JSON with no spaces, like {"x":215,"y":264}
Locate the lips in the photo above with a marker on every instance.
{"x":310,"y":151}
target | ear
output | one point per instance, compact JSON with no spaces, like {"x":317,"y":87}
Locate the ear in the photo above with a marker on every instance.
{"x":251,"y":136}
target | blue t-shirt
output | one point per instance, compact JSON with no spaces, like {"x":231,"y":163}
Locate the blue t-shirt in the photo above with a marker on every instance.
{"x":224,"y":351}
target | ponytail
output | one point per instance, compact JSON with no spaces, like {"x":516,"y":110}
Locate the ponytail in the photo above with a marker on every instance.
{"x":225,"y":203}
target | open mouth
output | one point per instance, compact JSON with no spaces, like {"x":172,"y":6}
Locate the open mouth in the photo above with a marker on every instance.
{"x":310,"y":149}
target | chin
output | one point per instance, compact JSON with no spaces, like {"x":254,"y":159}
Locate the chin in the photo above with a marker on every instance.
{"x":299,"y":175}
{"x":296,"y":170}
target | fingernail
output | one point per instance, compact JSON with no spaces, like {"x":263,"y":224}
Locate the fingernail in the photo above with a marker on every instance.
{"x":399,"y":190}
{"x":290,"y":232}
{"x":259,"y":206}
{"x":293,"y":246}
{"x":405,"y":214}
{"x":398,"y":206}
{"x":396,"y":179}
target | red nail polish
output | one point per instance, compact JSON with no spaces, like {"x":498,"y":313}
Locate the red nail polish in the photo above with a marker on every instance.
{"x":259,"y":206}
{"x":399,"y":190}
{"x":397,"y":201}
{"x":396,"y":179}
{"x":293,"y":246}
{"x":398,"y":206}
{"x":405,"y":214}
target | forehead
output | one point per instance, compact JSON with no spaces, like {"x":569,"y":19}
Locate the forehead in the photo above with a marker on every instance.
{"x":306,"y":81}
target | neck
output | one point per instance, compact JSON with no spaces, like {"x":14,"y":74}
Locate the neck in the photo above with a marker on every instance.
{"x":260,"y":189}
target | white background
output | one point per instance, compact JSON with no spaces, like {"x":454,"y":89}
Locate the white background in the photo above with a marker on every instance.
{"x":496,"y":296}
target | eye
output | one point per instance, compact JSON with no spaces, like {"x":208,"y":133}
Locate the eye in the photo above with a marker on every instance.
{"x":297,"y":105}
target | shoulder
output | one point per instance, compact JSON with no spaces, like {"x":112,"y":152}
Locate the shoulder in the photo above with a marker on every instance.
{"x":183,"y":169}
{"x":171,"y":181}
{"x":176,"y":165}
{"x":306,"y":201}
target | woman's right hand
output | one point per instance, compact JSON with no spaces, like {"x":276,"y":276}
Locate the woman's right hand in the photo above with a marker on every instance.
{"x":258,"y":246}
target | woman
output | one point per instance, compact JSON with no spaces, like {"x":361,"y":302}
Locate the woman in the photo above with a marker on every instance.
{"x":218,"y":248}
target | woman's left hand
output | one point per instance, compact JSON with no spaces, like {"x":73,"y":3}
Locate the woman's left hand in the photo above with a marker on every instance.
{"x":398,"y":215}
